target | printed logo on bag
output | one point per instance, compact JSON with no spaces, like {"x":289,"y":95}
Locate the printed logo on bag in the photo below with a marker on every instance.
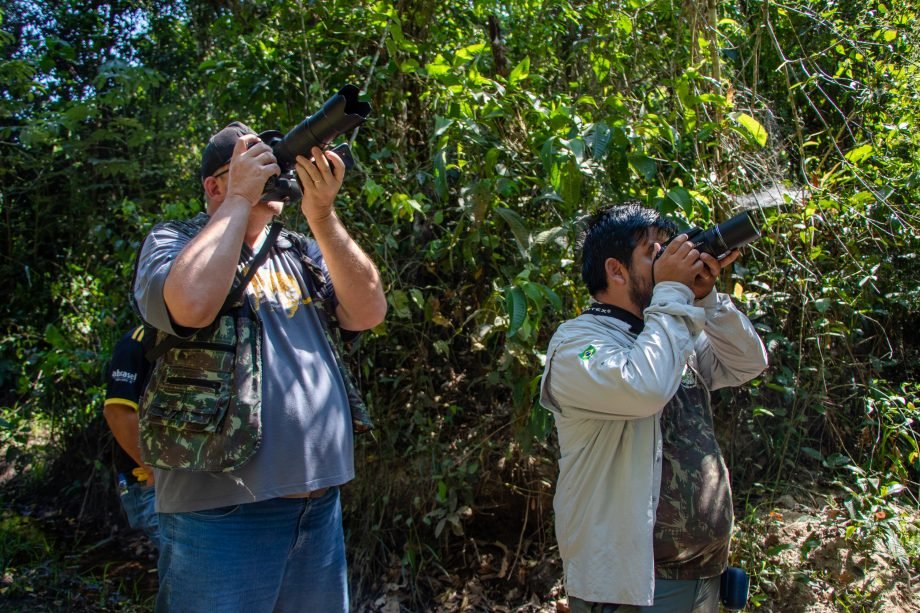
{"x":588,"y":353}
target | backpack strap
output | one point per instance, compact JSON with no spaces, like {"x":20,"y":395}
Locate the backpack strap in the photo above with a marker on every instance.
{"x":235,"y":294}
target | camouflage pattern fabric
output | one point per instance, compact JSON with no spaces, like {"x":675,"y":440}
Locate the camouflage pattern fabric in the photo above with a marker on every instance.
{"x":693,"y":523}
{"x":202,"y":409}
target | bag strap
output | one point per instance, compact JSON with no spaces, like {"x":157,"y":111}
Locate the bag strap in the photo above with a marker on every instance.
{"x":335,"y":335}
{"x":172,"y":341}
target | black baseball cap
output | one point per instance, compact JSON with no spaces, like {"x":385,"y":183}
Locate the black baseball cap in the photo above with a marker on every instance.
{"x":219,"y":149}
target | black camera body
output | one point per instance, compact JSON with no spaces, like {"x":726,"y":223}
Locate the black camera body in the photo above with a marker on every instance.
{"x":340,"y":113}
{"x":718,"y":240}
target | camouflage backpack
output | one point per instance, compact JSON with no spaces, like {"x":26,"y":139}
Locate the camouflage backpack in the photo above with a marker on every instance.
{"x":202,"y":407}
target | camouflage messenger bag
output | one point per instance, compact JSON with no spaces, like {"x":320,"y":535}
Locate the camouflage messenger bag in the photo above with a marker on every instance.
{"x":202,"y":407}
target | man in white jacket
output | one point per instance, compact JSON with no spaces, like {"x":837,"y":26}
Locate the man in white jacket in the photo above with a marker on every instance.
{"x":628,"y":384}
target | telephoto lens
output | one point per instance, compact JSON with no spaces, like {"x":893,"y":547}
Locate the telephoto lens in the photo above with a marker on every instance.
{"x":722,"y":238}
{"x":726,"y":236}
{"x":340,"y":113}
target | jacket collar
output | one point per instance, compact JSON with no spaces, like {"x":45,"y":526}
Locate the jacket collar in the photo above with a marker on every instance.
{"x":608,"y":310}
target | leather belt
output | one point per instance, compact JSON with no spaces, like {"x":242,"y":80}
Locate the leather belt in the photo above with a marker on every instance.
{"x":314,"y":494}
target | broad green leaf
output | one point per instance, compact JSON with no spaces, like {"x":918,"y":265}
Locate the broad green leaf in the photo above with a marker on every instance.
{"x":441,"y":124}
{"x":644,"y":165}
{"x":577,"y":147}
{"x":553,"y":298}
{"x":518,"y":229}
{"x":550,"y":235}
{"x":438,"y":67}
{"x":682,"y":198}
{"x":516,"y":306}
{"x":396,"y":31}
{"x":373,"y":191}
{"x":521,"y":71}
{"x":715,"y":99}
{"x":400,"y":303}
{"x":855,"y":156}
{"x":469,"y":52}
{"x":534,"y":292}
{"x":600,"y":64}
{"x":570,"y":183}
{"x":600,"y":140}
{"x":753,"y":127}
{"x":812,"y":453}
{"x":837,"y":459}
{"x":410,"y":65}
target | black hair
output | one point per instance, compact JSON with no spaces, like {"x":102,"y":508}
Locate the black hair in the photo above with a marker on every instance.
{"x":614,"y":232}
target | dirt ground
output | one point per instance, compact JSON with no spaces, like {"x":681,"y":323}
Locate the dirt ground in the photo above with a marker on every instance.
{"x":818,"y":566}
{"x":807,"y":563}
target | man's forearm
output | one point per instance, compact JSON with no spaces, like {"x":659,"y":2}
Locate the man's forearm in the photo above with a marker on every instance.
{"x":123,"y":422}
{"x":730,"y":352}
{"x":201,"y":276}
{"x":358,"y":288}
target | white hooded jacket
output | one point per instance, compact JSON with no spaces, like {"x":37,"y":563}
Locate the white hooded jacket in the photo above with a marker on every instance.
{"x":606,"y":384}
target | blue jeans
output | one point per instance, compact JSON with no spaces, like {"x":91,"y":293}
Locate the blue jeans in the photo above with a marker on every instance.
{"x":283,"y":554}
{"x":139,"y":505}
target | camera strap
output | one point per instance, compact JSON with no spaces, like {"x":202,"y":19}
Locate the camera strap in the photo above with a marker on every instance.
{"x":608,"y":310}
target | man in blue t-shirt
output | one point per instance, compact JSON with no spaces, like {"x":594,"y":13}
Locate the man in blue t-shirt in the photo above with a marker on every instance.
{"x":124,"y":385}
{"x":268,"y":534}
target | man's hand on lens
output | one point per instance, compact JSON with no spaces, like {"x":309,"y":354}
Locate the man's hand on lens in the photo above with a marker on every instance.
{"x":706,"y":280}
{"x":321,"y":178}
{"x":680,"y":262}
{"x":250,"y":167}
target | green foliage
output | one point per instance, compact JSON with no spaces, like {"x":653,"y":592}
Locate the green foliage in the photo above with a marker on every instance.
{"x":496,"y":127}
{"x":20,"y":541}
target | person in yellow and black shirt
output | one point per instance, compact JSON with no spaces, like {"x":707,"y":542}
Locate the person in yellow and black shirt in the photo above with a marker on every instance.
{"x":124,"y":385}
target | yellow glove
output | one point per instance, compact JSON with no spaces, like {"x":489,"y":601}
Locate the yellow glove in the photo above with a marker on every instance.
{"x":142,"y":475}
